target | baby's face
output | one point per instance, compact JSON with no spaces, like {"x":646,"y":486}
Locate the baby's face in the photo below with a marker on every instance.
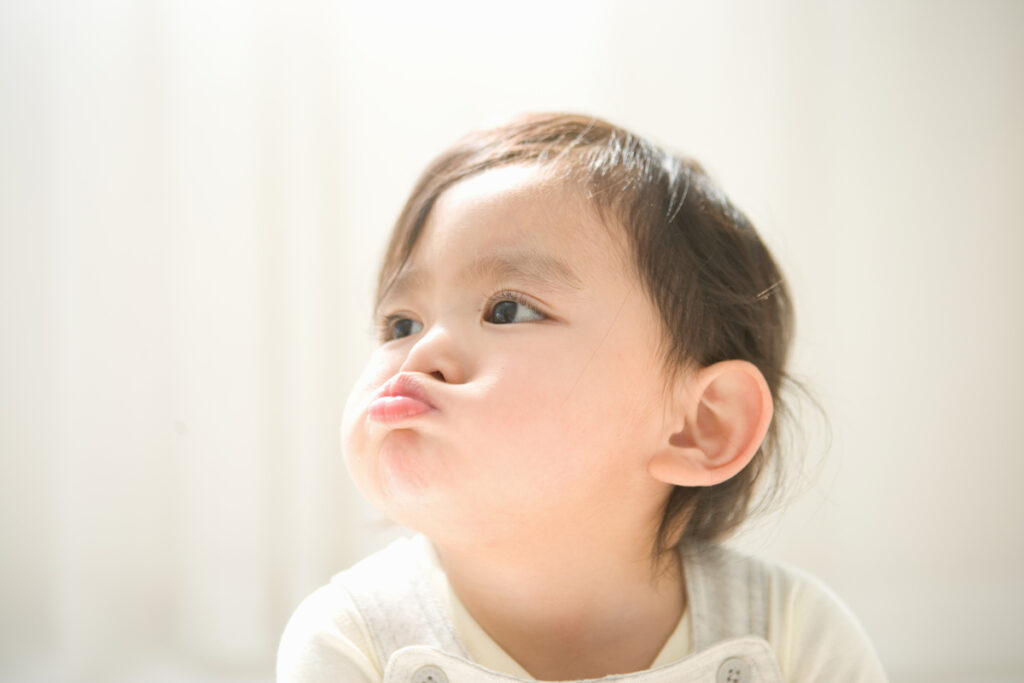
{"x":534,"y":349}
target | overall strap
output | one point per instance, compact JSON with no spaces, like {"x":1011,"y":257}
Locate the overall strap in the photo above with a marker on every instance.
{"x":727,"y":593}
{"x":392,"y":589}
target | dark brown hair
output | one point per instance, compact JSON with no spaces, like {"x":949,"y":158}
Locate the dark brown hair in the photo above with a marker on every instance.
{"x":717,"y":288}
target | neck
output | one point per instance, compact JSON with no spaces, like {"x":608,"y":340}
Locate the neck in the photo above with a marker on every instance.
{"x":579,"y":606}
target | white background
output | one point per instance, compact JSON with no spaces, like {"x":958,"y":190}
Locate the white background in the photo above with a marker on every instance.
{"x":194,"y":195}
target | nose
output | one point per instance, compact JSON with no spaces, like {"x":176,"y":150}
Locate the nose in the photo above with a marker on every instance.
{"x":436,"y":353}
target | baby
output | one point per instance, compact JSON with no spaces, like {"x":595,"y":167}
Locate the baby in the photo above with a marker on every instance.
{"x":581,"y":348}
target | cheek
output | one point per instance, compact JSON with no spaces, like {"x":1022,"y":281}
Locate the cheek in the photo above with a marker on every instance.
{"x":354,"y":432}
{"x":554,"y":415}
{"x":606,"y":396}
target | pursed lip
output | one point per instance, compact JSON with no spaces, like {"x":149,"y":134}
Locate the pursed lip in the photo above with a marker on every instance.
{"x":406,"y":385}
{"x":401,"y":399}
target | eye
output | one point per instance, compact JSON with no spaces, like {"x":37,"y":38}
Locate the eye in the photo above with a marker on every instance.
{"x":511,"y":307}
{"x":397,"y":326}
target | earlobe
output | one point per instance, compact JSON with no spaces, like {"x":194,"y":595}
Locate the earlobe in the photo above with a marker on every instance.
{"x":727,"y":408}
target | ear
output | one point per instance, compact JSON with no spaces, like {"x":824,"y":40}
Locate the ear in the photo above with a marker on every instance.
{"x":726,"y":408}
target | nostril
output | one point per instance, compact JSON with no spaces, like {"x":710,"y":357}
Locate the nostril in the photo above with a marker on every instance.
{"x":438,"y":375}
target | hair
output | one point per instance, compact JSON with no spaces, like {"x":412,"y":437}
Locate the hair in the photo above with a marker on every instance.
{"x":719,"y":292}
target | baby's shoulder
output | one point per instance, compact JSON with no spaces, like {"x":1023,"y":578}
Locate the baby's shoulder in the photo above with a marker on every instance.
{"x":794,"y":595}
{"x":813,"y":631}
{"x":326,"y":638}
{"x":775,"y":580}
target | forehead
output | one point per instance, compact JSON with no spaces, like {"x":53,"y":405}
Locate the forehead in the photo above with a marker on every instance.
{"x":522,"y":202}
{"x":514,"y":219}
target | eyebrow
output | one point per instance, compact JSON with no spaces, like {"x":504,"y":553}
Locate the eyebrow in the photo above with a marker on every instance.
{"x":528,"y":267}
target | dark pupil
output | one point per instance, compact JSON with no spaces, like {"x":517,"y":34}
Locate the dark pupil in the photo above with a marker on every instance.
{"x":505,"y":312}
{"x":401,"y":328}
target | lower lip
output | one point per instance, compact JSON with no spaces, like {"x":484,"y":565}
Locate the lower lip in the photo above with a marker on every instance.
{"x":389,"y":409}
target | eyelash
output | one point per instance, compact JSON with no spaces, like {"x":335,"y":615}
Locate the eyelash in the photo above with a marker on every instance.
{"x":386,"y":323}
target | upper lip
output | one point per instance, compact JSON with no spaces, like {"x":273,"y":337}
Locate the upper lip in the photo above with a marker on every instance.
{"x":405,"y":385}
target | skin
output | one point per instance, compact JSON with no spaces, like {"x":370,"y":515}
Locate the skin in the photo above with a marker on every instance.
{"x":542,"y":473}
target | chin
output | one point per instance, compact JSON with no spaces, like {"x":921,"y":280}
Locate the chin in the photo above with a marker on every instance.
{"x":402,"y":478}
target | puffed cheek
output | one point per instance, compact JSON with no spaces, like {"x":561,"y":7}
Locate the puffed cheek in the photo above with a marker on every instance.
{"x":359,"y":463}
{"x":354,"y":442}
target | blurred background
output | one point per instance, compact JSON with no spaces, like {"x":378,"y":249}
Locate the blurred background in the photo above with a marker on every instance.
{"x":194,"y":195}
